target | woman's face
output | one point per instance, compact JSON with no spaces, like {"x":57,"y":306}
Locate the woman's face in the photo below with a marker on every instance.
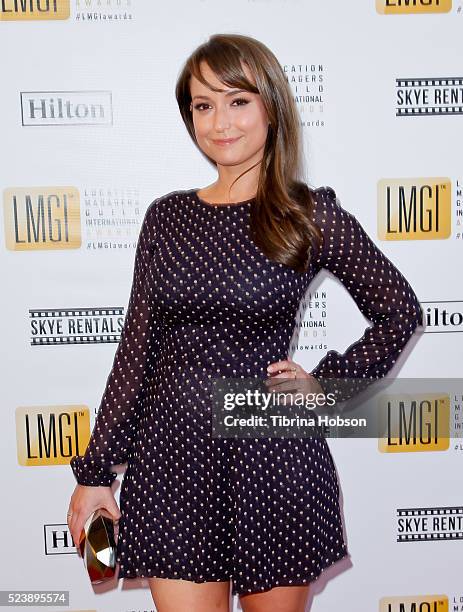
{"x":238,"y":117}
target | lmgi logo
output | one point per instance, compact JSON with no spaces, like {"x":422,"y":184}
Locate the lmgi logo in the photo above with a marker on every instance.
{"x":414,"y":423}
{"x":404,"y":7}
{"x":416,"y":603}
{"x":33,"y":10}
{"x":39,"y":218}
{"x":414,"y":209}
{"x":51,"y":435}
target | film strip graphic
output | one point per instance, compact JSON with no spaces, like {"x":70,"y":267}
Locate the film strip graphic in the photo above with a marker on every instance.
{"x":454,"y":514}
{"x":54,"y":339}
{"x":450,"y":108}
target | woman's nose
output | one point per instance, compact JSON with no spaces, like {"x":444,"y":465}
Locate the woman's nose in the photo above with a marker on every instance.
{"x":221,"y":118}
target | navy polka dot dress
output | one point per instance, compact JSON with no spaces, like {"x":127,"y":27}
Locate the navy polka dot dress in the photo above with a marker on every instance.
{"x":205,"y":303}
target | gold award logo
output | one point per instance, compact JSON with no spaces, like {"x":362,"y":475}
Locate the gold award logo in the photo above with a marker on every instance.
{"x":407,"y":7}
{"x":42,"y":218}
{"x":51,"y":435}
{"x":34,"y":10}
{"x":414,"y":423}
{"x":414,"y":209}
{"x":432,"y":603}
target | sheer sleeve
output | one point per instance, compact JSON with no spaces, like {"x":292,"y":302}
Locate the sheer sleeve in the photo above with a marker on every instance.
{"x":117,"y":415}
{"x":380,"y":291}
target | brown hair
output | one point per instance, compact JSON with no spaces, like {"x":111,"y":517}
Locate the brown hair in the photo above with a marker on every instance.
{"x":283,"y":208}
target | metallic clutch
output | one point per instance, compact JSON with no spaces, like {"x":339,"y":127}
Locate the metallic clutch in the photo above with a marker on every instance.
{"x":97,"y":546}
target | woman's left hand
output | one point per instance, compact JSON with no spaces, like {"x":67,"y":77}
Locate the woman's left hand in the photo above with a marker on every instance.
{"x":290,"y":371}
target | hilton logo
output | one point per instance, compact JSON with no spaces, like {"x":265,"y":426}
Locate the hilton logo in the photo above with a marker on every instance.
{"x":58,"y":540}
{"x":414,"y":209}
{"x":443,"y":317}
{"x":51,"y":435}
{"x":66,"y":108}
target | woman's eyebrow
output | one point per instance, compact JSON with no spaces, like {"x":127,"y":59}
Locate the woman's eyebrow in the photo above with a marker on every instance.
{"x":229,"y":93}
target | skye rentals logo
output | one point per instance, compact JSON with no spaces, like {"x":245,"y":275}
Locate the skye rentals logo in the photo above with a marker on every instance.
{"x":415,"y":603}
{"x":33,"y":10}
{"x":414,"y":208}
{"x":42,"y":218}
{"x":51,"y":435}
{"x":61,"y":326}
{"x":406,"y":7}
{"x":429,"y":97}
{"x":437,"y":524}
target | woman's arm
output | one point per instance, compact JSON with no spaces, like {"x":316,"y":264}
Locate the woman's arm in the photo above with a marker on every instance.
{"x":380,"y":291}
{"x":116,"y":419}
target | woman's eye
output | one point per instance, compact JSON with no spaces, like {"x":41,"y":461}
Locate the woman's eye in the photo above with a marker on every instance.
{"x":242,"y":102}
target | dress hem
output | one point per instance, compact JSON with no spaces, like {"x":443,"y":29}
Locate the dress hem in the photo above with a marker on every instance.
{"x":287,"y":581}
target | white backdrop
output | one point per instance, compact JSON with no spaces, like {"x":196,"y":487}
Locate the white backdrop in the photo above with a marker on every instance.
{"x":114,"y":143}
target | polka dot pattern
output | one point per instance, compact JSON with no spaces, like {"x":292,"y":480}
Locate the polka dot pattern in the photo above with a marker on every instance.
{"x":206,"y":302}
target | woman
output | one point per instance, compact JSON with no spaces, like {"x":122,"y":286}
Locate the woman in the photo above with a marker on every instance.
{"x":219,"y":274}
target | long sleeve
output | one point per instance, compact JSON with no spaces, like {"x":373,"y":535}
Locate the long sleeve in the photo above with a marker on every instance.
{"x":117,"y":415}
{"x":380,"y":291}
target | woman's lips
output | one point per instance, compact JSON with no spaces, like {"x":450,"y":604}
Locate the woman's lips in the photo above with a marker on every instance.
{"x":225,"y":141}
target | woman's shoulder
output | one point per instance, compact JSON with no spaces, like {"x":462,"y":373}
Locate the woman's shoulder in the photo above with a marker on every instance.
{"x":331,"y":217}
{"x":176,"y":194}
{"x":328,"y":207}
{"x":324,"y":195}
{"x":161,"y":204}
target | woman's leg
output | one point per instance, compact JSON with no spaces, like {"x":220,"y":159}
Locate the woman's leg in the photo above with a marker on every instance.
{"x":171,"y":595}
{"x":278,"y":599}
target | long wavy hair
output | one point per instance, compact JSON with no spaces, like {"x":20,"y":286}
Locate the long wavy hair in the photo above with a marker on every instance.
{"x":281,"y":222}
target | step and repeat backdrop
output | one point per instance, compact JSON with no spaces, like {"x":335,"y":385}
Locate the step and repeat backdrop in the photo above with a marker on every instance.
{"x":91,"y":135}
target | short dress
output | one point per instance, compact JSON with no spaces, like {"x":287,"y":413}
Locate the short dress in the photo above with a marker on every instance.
{"x":206,"y":302}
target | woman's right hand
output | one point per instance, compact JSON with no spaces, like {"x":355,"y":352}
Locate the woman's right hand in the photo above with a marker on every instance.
{"x":84,"y":501}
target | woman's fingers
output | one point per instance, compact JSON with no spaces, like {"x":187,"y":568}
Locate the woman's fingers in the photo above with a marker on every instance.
{"x":78,"y":520}
{"x":284,"y":365}
{"x":112,"y":507}
{"x":296,"y":380}
{"x":282,"y":384}
{"x":84,"y":501}
{"x":282,"y":377}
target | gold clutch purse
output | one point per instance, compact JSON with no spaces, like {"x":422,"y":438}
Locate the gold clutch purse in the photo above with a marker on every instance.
{"x":97,"y":546}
